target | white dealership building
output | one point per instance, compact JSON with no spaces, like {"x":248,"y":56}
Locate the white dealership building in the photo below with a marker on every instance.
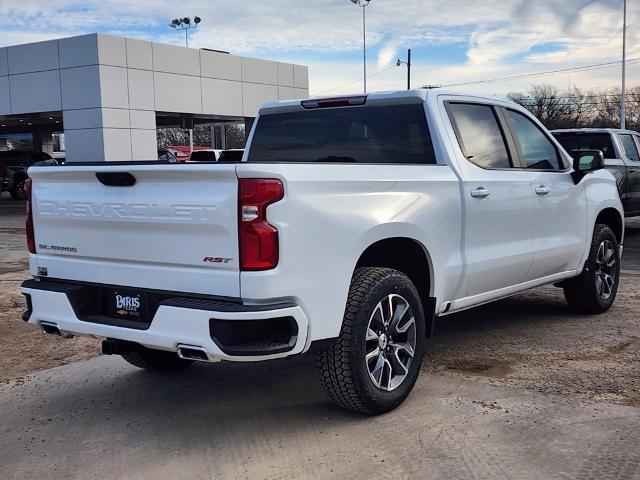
{"x":108,"y":94}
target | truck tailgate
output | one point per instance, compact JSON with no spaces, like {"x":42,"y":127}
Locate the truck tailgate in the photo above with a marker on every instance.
{"x":174,"y":229}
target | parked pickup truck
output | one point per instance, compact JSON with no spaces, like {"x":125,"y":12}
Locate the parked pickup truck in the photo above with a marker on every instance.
{"x":621,"y":157}
{"x":13,"y":169}
{"x":349,"y":225}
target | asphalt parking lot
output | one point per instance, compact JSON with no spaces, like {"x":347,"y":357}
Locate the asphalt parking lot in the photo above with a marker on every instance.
{"x":522,"y":388}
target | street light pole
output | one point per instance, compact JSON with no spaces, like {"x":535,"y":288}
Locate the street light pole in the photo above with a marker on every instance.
{"x":363,"y":4}
{"x":364,"y":45}
{"x":186,"y":25}
{"x":623,"y":99}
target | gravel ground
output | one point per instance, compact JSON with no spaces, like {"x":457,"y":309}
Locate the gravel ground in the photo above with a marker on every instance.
{"x":534,"y":341}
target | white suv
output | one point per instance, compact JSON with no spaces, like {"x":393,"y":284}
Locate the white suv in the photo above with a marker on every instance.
{"x":348,"y":226}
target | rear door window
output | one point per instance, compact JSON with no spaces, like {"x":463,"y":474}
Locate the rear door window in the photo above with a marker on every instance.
{"x":480,"y":135}
{"x":355,"y":134}
{"x":203,"y":156}
{"x":538,"y":151}
{"x":630,"y":148}
{"x":587,"y":141}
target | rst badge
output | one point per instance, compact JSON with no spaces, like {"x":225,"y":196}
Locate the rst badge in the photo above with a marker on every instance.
{"x":216,"y":260}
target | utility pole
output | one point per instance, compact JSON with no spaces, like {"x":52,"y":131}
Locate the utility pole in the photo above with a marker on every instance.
{"x":623,"y":99}
{"x":408,"y":64}
{"x":408,"y":69}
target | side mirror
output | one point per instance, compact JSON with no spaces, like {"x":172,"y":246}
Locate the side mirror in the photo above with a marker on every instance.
{"x":585,"y":161}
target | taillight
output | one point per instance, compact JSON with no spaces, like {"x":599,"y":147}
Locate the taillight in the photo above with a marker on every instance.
{"x":31,"y":239}
{"x":258,"y":238}
{"x":3,"y":172}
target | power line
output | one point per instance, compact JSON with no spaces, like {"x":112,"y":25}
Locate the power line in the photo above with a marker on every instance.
{"x":594,"y":66}
{"x":358,"y":80}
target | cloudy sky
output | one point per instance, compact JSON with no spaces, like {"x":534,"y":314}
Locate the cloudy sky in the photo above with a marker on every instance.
{"x":452,"y":41}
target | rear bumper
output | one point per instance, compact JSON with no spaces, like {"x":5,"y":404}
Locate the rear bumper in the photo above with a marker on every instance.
{"x":177,"y":321}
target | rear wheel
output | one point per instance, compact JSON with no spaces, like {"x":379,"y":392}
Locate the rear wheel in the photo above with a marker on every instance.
{"x":157,"y":360}
{"x":595,"y":289}
{"x":375,"y":362}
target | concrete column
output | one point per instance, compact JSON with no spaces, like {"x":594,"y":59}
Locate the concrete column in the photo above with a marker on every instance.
{"x":144,"y":138}
{"x":110,"y":135}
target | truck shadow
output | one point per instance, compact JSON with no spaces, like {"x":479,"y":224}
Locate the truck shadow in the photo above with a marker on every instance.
{"x":235,"y":393}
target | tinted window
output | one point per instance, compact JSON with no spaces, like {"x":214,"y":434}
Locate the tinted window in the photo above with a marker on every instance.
{"x":538,"y":151}
{"x":203,"y":156}
{"x":630,"y":147}
{"x":587,"y":141}
{"x":230,"y":156}
{"x":14,"y":158}
{"x":8,"y":159}
{"x":367,"y":134}
{"x":166,"y":156}
{"x":480,"y":135}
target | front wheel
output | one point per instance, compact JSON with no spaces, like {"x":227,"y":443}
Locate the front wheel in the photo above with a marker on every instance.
{"x":595,"y":289}
{"x":375,"y":362}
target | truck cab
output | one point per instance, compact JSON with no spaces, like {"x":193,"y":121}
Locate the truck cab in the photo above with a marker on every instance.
{"x":622,"y":158}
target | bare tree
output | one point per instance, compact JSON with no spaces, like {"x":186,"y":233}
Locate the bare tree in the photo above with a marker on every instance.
{"x":575,"y":108}
{"x":235,"y":136}
{"x":548,"y":104}
{"x":606,"y":106}
{"x":633,"y":108}
{"x":180,"y":136}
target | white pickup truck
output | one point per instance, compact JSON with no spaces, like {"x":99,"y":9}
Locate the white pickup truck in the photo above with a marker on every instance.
{"x":349,"y":225}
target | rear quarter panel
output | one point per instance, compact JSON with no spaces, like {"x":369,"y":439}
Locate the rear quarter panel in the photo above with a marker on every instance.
{"x":332,"y":213}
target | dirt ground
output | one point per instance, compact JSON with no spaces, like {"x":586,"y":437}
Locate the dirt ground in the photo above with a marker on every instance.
{"x":26,"y":349}
{"x":531,"y":340}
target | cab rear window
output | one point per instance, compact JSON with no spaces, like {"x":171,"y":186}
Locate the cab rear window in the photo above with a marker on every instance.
{"x":362,"y":134}
{"x":587,"y":141}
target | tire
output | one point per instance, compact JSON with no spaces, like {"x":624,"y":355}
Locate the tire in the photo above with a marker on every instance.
{"x":349,"y":379}
{"x":595,"y":289}
{"x":156,"y":360}
{"x":17,"y":192}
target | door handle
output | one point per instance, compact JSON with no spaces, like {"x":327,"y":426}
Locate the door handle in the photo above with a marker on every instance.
{"x":542,"y":190}
{"x":633,"y":170}
{"x":480,"y":192}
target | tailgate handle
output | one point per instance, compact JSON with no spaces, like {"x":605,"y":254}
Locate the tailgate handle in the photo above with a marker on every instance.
{"x":116,"y":179}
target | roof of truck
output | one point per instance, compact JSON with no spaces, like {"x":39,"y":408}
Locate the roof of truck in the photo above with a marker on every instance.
{"x":592,"y":130}
{"x":390,"y":96}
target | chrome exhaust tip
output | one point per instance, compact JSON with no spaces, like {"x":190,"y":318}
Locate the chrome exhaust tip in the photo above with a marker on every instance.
{"x":193,"y":352}
{"x":51,"y":328}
